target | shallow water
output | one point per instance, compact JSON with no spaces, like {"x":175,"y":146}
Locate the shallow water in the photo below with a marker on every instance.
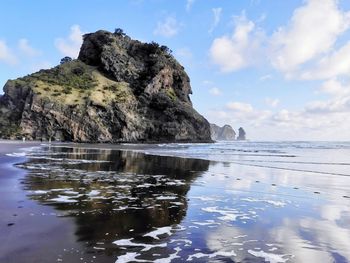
{"x":224,"y":202}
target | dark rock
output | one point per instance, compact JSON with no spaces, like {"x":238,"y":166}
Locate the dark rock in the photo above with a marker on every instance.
{"x":225,"y":133}
{"x":118,"y":90}
{"x":241,"y":134}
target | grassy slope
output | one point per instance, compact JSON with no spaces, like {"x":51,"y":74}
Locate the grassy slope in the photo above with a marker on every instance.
{"x":75,"y":83}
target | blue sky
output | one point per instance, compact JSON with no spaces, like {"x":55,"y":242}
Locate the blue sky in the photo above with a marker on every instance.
{"x":278,"y":68}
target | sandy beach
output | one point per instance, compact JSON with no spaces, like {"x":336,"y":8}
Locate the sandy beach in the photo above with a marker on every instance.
{"x":272,"y":202}
{"x":29,"y":232}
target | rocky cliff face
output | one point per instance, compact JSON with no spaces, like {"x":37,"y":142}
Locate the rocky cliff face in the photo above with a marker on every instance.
{"x":225,"y":133}
{"x":118,"y":90}
{"x":241,"y":134}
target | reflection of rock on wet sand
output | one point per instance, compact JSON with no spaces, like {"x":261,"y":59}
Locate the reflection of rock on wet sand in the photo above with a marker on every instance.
{"x":113,"y":193}
{"x":129,"y":206}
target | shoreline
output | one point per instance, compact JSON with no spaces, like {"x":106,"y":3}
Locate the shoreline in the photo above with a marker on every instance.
{"x":27,"y":220}
{"x":84,"y":202}
{"x":116,"y":143}
{"x":27,"y":227}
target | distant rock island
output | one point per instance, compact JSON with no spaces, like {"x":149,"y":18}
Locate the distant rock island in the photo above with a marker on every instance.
{"x":224,"y":133}
{"x":241,"y":134}
{"x":118,"y":90}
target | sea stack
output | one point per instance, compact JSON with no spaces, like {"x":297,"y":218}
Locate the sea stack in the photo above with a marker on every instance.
{"x":241,"y":134}
{"x":118,"y":90}
{"x":225,"y":133}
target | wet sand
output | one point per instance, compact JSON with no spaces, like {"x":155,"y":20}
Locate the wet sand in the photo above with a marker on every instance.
{"x":98,"y":203}
{"x":35,"y":229}
{"x":29,"y":232}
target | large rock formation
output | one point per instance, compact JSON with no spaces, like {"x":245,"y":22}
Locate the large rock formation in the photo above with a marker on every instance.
{"x":224,"y":133}
{"x":118,"y":90}
{"x":241,"y":134}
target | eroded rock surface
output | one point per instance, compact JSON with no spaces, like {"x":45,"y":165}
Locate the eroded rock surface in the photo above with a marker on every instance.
{"x":224,"y":133}
{"x":241,"y":134}
{"x":118,"y":90}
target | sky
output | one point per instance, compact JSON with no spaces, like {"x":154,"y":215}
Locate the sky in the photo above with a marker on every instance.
{"x":280,"y":69}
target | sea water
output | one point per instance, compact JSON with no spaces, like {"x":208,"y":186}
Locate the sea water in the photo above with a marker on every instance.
{"x":222,"y":202}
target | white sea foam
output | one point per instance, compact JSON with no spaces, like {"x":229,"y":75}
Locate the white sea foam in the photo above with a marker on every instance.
{"x":93,"y":193}
{"x":186,"y":241}
{"x":61,"y":189}
{"x":269,"y":257}
{"x":176,"y":203}
{"x":212,"y":255}
{"x":166,"y":197}
{"x":18,"y":154}
{"x":39,"y":192}
{"x":271,"y":202}
{"x":160,"y":231}
{"x":129,"y":243}
{"x":145,"y":185}
{"x":175,"y":182}
{"x":63,"y":199}
{"x":227,"y":215}
{"x":130,"y":257}
{"x":205,"y":198}
{"x":206,"y":223}
{"x":169,"y":258}
{"x":197,"y":255}
{"x":70,"y":192}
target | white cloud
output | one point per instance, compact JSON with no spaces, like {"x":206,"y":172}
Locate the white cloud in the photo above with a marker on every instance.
{"x":335,"y":88}
{"x":235,"y":52}
{"x":184,"y":53}
{"x":335,"y":105}
{"x":338,"y":102}
{"x":312,"y":31}
{"x":167,"y":28}
{"x":41,"y":65}
{"x":240,"y":114}
{"x":207,"y":82}
{"x":70,"y":46}
{"x":303,"y":48}
{"x":335,"y":64}
{"x":265,"y":77}
{"x":332,"y":106}
{"x":189,"y":4}
{"x":317,"y":120}
{"x":26,"y":49}
{"x":6,"y":54}
{"x":215,"y":91}
{"x":308,"y":47}
{"x":217,"y":115}
{"x":272,"y":102}
{"x":216,"y":18}
{"x":239,"y":107}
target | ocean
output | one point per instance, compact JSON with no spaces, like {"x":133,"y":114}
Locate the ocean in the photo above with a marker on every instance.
{"x":222,"y":202}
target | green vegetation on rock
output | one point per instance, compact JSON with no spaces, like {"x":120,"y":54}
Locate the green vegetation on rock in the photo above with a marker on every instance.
{"x":171,"y":93}
{"x":10,"y":130}
{"x":118,"y":90}
{"x":70,"y":75}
